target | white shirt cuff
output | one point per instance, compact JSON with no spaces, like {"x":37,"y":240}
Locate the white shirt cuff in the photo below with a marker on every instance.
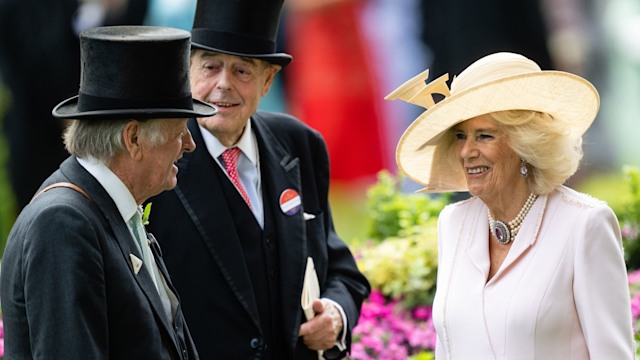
{"x":341,"y":342}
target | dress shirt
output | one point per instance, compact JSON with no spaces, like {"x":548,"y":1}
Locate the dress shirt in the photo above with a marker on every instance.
{"x":248,"y":166}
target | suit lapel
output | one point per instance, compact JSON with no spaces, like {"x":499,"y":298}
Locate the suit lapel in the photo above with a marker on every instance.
{"x":527,"y":236}
{"x":215,"y":227}
{"x":172,"y":293}
{"x":120,"y":232}
{"x":279,"y":171}
{"x":284,"y":173}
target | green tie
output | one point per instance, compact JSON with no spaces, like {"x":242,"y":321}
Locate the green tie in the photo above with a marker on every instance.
{"x":168,"y":298}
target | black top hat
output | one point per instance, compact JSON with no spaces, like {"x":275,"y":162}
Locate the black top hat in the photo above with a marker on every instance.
{"x":239,"y":27}
{"x":136,"y":72}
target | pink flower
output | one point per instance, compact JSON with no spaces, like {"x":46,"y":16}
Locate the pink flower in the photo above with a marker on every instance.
{"x":634,"y":277}
{"x":422,"y":312}
{"x":388,"y":330}
{"x":376,"y":297}
{"x":635,"y":307}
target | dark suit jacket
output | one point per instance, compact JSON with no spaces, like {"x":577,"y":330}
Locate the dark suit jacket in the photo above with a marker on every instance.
{"x":68,"y":287}
{"x":202,"y":251}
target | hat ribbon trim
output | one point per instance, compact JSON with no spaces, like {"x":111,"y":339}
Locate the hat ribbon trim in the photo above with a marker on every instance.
{"x":233,"y":42}
{"x":88,"y":102}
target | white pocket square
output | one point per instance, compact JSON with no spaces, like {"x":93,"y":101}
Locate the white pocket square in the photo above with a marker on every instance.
{"x":308,"y":216}
{"x":136,"y":263}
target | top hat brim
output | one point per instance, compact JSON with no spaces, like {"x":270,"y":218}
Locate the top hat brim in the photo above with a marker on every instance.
{"x":564,"y":96}
{"x":68,"y":109}
{"x":281,"y":59}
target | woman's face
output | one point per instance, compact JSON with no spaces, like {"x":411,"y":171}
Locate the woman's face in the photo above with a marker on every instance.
{"x":491,"y":167}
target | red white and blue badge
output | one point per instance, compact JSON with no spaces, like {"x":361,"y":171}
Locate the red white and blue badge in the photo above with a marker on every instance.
{"x":290,"y":202}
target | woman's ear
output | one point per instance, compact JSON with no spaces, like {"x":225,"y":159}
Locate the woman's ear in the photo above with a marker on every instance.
{"x":132,"y":140}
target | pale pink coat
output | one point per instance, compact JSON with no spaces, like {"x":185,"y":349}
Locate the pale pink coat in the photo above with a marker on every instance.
{"x":561,"y":292}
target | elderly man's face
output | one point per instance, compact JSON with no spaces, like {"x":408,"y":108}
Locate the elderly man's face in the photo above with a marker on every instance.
{"x":159,"y":169}
{"x":232,"y":84}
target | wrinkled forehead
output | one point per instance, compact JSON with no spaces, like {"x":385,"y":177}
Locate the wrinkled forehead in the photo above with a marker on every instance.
{"x":203,"y":54}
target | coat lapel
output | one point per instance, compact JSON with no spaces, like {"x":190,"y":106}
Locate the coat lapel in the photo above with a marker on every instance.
{"x":478,"y":248}
{"x":79,"y":176}
{"x":284,"y":173}
{"x":215,"y":227}
{"x":527,"y":236}
{"x":475,"y":228}
{"x":526,"y":239}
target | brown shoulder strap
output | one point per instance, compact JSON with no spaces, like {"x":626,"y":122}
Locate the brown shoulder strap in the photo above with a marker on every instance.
{"x":63,"y":184}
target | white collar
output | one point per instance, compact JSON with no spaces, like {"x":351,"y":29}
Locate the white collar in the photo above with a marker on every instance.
{"x":247,"y":144}
{"x":112,"y":184}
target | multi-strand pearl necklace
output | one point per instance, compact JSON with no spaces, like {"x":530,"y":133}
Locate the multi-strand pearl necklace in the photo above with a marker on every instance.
{"x":505,"y":233}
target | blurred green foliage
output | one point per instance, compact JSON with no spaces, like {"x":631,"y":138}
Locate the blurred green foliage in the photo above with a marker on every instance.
{"x":7,"y":200}
{"x":400,"y":258}
{"x":630,"y":218}
{"x":611,"y":187}
{"x":405,"y":266}
{"x":391,"y":210}
{"x":348,"y":207}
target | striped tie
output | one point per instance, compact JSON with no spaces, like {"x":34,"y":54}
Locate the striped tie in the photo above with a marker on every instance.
{"x":230,"y":157}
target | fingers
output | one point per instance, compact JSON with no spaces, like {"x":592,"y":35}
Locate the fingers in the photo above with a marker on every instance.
{"x":322,"y":331}
{"x":318,"y":306}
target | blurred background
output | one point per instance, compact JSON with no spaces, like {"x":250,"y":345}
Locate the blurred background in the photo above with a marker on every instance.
{"x":348,"y":54}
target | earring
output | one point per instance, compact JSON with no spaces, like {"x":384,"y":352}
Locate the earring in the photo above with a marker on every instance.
{"x":524,"y":171}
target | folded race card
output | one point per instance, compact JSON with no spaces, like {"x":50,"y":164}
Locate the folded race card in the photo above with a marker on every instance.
{"x":310,"y":292}
{"x":310,"y":289}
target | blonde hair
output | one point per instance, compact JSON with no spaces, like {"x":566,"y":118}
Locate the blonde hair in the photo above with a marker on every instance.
{"x":545,"y":144}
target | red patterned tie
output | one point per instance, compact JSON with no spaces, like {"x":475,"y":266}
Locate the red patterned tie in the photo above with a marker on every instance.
{"x":230,"y":157}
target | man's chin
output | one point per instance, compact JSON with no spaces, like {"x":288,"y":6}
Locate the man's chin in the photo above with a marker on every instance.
{"x":209,"y":122}
{"x":171,"y":183}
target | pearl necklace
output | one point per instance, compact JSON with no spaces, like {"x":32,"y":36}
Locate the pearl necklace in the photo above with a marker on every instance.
{"x":505,"y":233}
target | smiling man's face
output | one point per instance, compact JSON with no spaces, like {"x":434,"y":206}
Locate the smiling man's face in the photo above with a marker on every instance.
{"x":234,"y":85}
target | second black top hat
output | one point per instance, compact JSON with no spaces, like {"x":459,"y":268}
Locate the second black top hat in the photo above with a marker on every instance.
{"x":239,"y":27}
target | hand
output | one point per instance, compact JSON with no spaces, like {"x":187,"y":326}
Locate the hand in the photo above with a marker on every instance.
{"x":321,"y":332}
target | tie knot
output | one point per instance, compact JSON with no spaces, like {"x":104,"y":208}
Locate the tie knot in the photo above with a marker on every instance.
{"x":136,"y":220}
{"x":230,"y":156}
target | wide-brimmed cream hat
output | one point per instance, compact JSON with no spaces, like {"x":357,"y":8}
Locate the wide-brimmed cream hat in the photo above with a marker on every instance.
{"x":497,"y":82}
